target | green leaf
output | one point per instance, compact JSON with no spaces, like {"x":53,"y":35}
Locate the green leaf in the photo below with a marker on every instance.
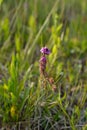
{"x":1,"y":2}
{"x":59,"y":27}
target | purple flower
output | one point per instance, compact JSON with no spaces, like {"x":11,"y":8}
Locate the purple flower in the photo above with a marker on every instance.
{"x":43,"y":59}
{"x":42,"y":64}
{"x":45,"y":50}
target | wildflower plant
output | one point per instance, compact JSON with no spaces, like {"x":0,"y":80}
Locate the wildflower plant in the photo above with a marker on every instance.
{"x":45,"y":51}
{"x":42,"y":67}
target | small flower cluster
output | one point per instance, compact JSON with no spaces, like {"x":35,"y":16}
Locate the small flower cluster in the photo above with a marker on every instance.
{"x":43,"y":61}
{"x":45,"y":50}
{"x":42,"y":66}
